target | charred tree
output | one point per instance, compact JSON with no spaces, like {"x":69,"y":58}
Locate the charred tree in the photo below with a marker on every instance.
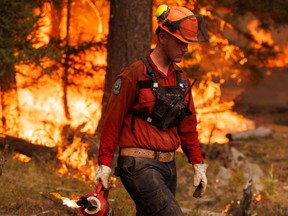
{"x":129,"y":39}
{"x":66,"y":64}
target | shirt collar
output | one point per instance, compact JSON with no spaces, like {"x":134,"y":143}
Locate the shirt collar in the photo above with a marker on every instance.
{"x":173,"y":67}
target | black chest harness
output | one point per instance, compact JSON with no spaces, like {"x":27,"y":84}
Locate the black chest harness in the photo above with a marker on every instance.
{"x":170,"y":107}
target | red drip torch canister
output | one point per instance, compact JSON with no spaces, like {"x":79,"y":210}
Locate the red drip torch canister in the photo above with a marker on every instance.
{"x":95,"y":204}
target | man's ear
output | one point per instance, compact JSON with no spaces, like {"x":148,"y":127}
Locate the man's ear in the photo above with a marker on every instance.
{"x":162,"y":36}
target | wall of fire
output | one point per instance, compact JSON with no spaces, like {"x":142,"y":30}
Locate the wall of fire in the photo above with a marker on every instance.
{"x":41,"y":113}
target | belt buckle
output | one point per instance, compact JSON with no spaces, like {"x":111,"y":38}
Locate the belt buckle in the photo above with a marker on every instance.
{"x":172,"y":155}
{"x":157,"y":155}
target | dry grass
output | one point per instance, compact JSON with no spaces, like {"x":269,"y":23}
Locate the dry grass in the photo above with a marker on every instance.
{"x":26,"y":187}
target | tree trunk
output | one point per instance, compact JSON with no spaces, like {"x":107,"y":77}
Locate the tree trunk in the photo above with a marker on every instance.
{"x":129,"y":39}
{"x":66,"y":64}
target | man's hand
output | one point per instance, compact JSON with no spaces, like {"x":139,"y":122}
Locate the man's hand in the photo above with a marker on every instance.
{"x":200,"y":179}
{"x":102,"y":174}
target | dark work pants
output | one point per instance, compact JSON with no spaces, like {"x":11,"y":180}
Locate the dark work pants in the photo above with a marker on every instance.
{"x":151,"y":184}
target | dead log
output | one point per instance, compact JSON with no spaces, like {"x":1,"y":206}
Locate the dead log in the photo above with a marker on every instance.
{"x":259,"y":132}
{"x":39,"y":151}
{"x":27,"y":148}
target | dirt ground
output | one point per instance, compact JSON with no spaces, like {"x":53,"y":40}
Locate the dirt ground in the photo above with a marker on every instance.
{"x":271,"y":155}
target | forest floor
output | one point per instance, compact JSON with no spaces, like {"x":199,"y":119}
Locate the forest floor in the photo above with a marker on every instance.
{"x":26,"y":187}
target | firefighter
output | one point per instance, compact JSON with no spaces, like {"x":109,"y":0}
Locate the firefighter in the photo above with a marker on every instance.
{"x":151,"y":114}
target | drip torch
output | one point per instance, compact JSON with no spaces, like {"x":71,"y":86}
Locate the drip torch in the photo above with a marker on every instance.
{"x":95,"y":204}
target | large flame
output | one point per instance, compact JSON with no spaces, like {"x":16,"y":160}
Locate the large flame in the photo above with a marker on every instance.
{"x":42,"y":116}
{"x":40,"y":97}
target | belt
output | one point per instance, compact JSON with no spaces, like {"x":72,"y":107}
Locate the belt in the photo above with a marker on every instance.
{"x":160,"y":156}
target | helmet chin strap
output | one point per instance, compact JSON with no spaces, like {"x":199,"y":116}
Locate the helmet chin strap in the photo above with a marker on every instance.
{"x":172,"y":26}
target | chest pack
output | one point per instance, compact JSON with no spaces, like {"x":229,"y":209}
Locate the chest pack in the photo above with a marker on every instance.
{"x":170,"y":108}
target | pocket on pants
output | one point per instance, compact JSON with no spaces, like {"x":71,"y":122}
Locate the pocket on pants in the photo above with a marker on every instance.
{"x":126,"y":165}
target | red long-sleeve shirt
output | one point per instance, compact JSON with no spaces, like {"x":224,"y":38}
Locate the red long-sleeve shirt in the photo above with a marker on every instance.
{"x":128,"y":97}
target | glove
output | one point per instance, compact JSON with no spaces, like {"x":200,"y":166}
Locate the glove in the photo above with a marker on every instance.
{"x":102,"y":174}
{"x":199,"y":179}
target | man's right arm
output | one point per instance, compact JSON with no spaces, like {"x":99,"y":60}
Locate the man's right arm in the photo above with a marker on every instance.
{"x":121,"y":100}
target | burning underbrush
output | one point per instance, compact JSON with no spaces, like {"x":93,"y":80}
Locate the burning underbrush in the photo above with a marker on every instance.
{"x":35,"y":188}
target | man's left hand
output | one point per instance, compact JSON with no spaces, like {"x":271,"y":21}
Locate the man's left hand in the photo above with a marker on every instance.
{"x":200,"y":179}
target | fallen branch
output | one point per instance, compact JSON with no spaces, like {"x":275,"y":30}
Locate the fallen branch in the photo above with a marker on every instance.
{"x":27,"y":148}
{"x":259,"y":132}
{"x":43,"y":152}
{"x":66,"y":189}
{"x":52,"y":198}
{"x":46,"y":212}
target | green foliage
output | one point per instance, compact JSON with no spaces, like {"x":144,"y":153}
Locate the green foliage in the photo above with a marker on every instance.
{"x":19,"y":42}
{"x":16,"y":22}
{"x":18,"y":25}
{"x":270,"y":183}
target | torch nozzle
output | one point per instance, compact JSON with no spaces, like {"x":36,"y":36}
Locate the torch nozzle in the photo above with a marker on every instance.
{"x":92,"y":205}
{"x":82,"y":202}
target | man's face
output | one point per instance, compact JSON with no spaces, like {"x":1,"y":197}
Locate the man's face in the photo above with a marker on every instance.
{"x":174,"y":48}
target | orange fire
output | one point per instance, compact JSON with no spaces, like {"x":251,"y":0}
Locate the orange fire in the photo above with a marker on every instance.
{"x":40,"y":96}
{"x":67,"y":201}
{"x":256,"y":198}
{"x":21,"y":157}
